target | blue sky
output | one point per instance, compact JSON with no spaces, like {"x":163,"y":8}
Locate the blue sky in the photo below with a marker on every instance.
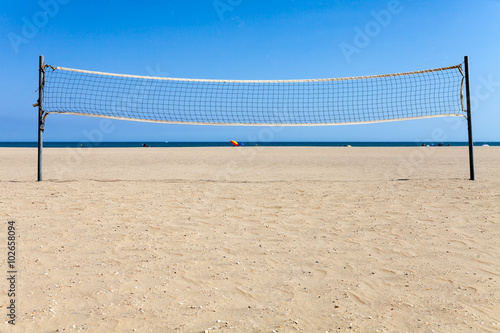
{"x":246,"y":39}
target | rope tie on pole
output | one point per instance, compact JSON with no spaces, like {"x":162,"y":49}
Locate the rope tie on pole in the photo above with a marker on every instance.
{"x":462,"y":89}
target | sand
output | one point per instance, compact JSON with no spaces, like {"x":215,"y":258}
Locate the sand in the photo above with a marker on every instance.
{"x":253,"y":239}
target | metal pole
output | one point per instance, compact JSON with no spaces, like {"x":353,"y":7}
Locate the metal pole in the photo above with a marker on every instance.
{"x":41,"y":79}
{"x":469,"y":120}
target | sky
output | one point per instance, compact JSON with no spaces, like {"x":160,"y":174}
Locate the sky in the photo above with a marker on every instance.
{"x":247,"y":39}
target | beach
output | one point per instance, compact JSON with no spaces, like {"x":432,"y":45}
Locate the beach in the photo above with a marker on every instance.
{"x":252,"y":239}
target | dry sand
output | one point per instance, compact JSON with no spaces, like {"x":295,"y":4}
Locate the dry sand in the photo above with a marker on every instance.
{"x":253,"y":239}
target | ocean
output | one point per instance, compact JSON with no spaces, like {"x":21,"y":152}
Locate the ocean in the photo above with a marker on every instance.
{"x":229,"y":144}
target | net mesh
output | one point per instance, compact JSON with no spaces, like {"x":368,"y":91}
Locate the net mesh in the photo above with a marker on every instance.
{"x":422,"y":94}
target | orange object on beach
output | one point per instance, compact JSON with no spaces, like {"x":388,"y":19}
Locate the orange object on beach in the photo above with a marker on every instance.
{"x":236,"y":144}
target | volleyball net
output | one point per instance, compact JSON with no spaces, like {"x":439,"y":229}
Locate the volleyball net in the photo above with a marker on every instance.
{"x":311,"y":102}
{"x":331,"y":101}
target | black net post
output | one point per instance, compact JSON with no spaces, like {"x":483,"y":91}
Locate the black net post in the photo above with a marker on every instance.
{"x":41,"y":80}
{"x":469,"y":120}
